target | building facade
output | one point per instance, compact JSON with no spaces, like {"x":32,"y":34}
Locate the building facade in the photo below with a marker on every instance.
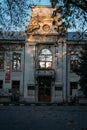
{"x":41,"y":65}
{"x":11,"y":64}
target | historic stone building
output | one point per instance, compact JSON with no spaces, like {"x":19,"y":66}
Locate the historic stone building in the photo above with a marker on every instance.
{"x":40,"y":65}
{"x":11,"y":64}
{"x":45,"y":58}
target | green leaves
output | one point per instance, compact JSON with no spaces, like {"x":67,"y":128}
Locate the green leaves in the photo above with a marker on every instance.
{"x":74,"y":13}
{"x":82,"y":69}
{"x":14,"y":14}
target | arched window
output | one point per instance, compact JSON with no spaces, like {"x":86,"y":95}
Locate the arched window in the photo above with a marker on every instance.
{"x":45,"y":59}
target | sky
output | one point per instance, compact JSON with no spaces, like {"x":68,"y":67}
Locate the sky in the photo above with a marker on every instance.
{"x":44,"y":2}
{"x":47,"y":2}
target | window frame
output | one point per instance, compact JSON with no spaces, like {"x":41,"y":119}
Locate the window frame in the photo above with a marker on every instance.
{"x":2,"y":56}
{"x":15,"y":60}
{"x":74,"y":62}
{"x":1,"y":84}
{"x":45,"y":61}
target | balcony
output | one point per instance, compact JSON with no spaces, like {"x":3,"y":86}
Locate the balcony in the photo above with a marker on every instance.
{"x":45,"y":73}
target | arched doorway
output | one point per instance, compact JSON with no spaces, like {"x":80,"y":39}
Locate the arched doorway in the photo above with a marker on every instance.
{"x":44,"y":81}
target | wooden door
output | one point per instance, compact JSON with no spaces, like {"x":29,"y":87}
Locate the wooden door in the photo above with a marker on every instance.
{"x":44,"y":92}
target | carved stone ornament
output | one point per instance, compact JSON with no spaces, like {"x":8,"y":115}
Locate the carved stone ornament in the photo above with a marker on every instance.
{"x":46,"y":27}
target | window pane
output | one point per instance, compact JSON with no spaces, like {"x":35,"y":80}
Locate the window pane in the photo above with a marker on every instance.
{"x":74,"y":61}
{"x":1,"y":60}
{"x":48,"y":64}
{"x":42,"y":64}
{"x":45,"y":51}
{"x":1,"y":84}
{"x":16,"y":64}
{"x":48,"y":58}
{"x":41,"y":58}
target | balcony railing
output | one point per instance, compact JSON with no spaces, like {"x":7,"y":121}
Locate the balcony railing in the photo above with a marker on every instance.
{"x":45,"y":73}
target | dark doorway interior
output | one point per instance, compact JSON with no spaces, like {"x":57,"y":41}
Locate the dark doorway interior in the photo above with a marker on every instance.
{"x":44,"y":90}
{"x":15,"y":85}
{"x":73,"y":86}
{"x":15,"y":91}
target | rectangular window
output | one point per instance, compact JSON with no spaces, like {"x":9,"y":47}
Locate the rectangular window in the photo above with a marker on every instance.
{"x":73,"y":88}
{"x":15,"y":85}
{"x":1,"y":84}
{"x":30,"y":91}
{"x":58,"y":88}
{"x":16,"y":61}
{"x":73,"y":62}
{"x":31,"y":87}
{"x":1,"y":60}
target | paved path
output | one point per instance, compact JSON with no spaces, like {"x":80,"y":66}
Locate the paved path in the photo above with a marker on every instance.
{"x":43,"y":117}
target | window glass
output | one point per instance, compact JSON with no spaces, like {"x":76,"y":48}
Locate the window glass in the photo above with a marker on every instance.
{"x":73,"y":61}
{"x":1,"y":84}
{"x":15,"y":84}
{"x":1,"y":60}
{"x":16,"y":62}
{"x":45,"y":58}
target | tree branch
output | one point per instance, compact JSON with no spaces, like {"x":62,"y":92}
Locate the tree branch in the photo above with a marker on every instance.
{"x":84,"y":8}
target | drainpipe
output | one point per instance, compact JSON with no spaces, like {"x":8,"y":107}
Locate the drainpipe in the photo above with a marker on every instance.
{"x":66,"y":72}
{"x":62,"y":74}
{"x":24,"y":70}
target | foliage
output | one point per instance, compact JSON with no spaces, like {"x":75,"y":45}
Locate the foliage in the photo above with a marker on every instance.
{"x":82,"y":69}
{"x":15,"y":13}
{"x":73,"y":12}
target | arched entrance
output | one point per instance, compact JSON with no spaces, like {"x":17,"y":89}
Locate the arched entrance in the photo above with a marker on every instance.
{"x":44,"y":74}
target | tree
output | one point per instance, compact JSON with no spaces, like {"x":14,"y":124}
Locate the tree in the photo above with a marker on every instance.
{"x":15,"y":13}
{"x":73,"y":12}
{"x":82,"y":69}
{"x":76,"y":11}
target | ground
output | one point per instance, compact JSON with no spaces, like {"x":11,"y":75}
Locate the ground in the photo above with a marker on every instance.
{"x":43,"y":117}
